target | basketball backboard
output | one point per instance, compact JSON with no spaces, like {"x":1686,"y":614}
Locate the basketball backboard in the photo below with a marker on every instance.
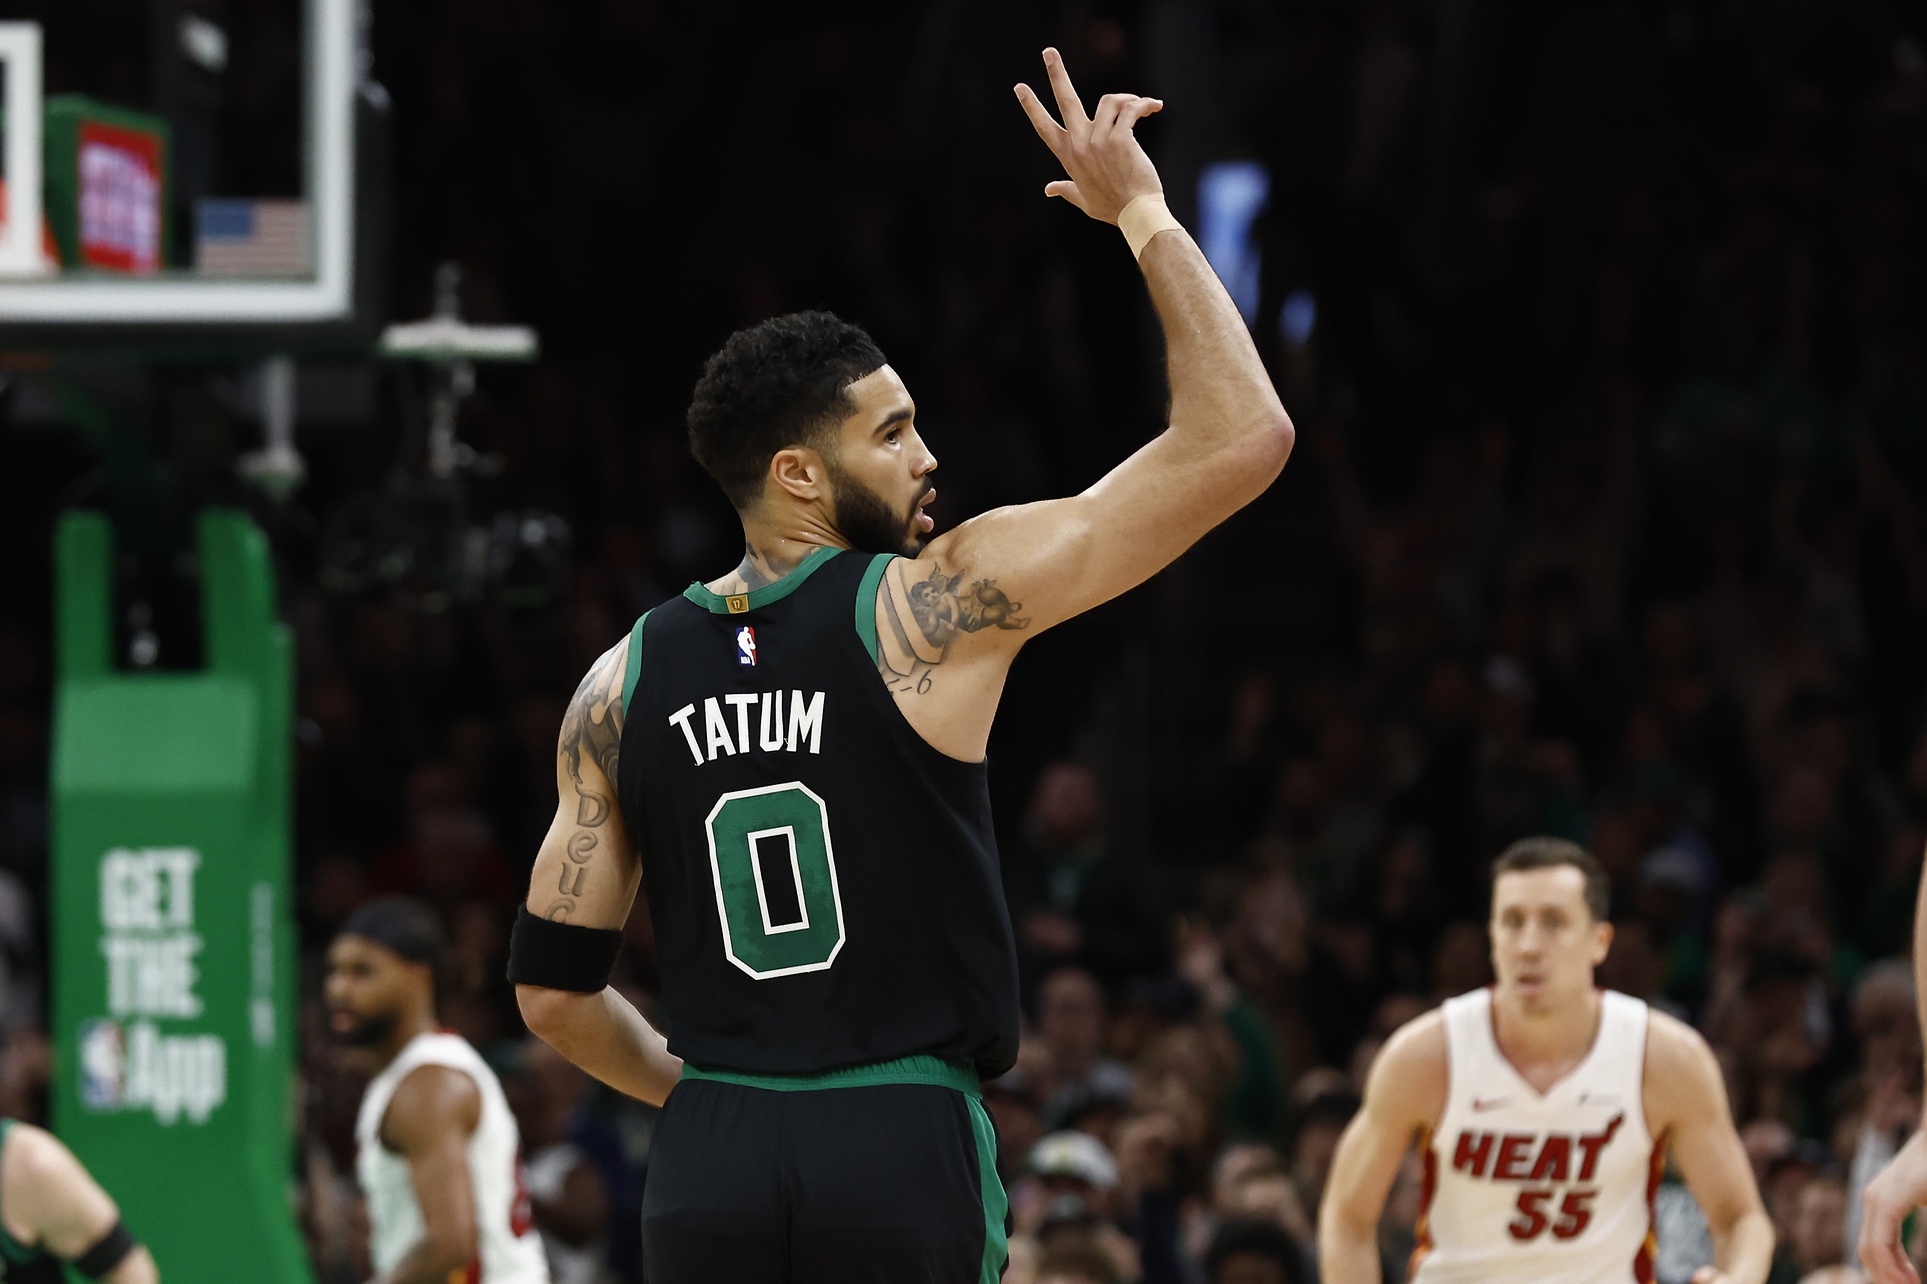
{"x":137,"y":207}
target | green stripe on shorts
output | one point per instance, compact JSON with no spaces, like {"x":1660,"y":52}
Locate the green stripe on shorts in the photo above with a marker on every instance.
{"x":996,"y":1204}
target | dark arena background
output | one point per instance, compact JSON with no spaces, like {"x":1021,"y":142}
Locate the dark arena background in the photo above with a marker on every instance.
{"x":1603,"y":326}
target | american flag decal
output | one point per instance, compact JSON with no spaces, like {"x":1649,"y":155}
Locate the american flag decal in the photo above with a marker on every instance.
{"x":252,"y":238}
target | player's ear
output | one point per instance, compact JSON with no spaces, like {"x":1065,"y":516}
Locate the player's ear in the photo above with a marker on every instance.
{"x":798,"y":472}
{"x":1602,"y":942}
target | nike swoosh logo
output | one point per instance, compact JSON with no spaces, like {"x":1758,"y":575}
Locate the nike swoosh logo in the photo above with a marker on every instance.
{"x":1480,"y":1105}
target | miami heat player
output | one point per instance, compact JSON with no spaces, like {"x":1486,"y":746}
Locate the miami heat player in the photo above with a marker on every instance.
{"x":436,"y":1149}
{"x":1543,"y":1109}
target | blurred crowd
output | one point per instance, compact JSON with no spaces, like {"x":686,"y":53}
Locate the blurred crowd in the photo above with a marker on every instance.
{"x":1606,"y":522}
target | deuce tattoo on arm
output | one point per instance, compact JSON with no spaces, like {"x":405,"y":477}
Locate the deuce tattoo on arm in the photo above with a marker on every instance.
{"x":926,"y":617}
{"x":592,"y":727}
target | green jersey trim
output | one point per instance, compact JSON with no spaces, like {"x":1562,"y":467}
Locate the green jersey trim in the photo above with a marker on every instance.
{"x":866,"y":602}
{"x":632,"y":669}
{"x":935,"y":1072}
{"x":12,"y":1249}
{"x":739,"y":603}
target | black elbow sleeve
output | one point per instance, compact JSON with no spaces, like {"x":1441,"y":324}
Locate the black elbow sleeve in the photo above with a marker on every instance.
{"x":109,"y":1251}
{"x":561,"y":956}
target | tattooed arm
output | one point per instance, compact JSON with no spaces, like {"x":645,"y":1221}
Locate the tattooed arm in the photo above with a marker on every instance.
{"x":1228,"y":436}
{"x":586,"y":873}
{"x":923,"y":611}
{"x":949,"y":623}
{"x":592,"y":836}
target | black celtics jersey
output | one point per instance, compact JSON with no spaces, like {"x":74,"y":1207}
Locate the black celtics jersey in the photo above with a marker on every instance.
{"x":824,"y":884}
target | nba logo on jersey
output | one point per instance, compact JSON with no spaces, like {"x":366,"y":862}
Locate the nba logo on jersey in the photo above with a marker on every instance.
{"x":746,"y":646}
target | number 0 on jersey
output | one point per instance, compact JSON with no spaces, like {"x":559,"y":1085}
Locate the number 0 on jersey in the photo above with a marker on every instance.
{"x":775,"y":874}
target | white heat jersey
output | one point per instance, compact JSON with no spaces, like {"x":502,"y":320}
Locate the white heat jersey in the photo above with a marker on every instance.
{"x":1521,"y":1188}
{"x":509,"y":1250}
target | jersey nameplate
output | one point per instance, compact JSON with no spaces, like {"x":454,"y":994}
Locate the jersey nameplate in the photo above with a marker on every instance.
{"x":724,"y":735}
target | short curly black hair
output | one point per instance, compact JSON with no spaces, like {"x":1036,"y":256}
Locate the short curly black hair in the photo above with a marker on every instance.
{"x":778,"y":384}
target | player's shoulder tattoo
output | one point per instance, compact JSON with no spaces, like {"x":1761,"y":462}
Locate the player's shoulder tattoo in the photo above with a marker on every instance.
{"x":592,"y":726}
{"x":924,"y":609}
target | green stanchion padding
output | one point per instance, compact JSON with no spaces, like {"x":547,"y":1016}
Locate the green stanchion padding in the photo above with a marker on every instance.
{"x":174,"y":954}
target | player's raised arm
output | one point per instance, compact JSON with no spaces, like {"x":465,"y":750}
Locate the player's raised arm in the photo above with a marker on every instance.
{"x":1901,"y":1186}
{"x":1686,"y":1104}
{"x":1404,"y":1096}
{"x":580,"y":894}
{"x":1228,"y":436}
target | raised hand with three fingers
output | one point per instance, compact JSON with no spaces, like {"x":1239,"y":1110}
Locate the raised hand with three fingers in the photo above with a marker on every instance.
{"x":1108,"y":168}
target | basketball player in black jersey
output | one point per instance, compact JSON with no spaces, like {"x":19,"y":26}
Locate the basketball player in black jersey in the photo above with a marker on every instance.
{"x":793,"y":756}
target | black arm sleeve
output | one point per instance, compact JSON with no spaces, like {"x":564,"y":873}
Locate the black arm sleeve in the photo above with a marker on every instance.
{"x":561,"y":956}
{"x":109,"y":1251}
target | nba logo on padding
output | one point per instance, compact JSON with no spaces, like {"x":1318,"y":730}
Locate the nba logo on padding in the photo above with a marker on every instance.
{"x":746,"y":646}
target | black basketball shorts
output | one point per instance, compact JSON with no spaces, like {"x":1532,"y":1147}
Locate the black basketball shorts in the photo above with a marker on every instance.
{"x":878,"y":1174}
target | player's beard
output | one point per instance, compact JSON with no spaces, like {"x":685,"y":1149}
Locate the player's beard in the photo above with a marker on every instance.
{"x":367,"y":1032}
{"x":866,"y":519}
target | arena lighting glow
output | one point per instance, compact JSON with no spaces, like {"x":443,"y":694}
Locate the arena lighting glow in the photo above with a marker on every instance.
{"x":1298,"y":317}
{"x":328,"y":102}
{"x":1231,"y":195}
